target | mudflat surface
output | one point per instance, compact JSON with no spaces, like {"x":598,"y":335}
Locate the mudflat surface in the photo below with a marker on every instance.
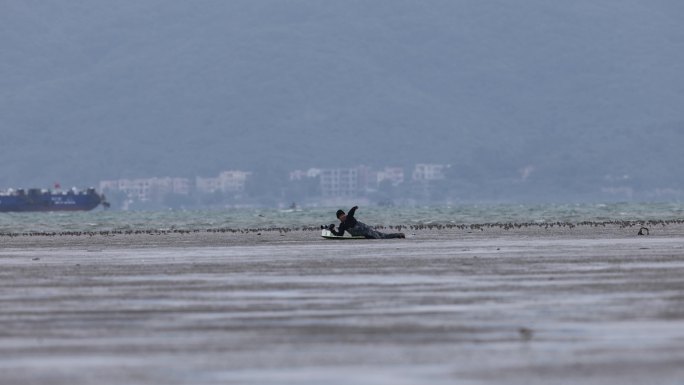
{"x":590,"y":305}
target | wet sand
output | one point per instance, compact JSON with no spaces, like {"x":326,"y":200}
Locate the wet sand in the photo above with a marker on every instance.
{"x":589,"y":304}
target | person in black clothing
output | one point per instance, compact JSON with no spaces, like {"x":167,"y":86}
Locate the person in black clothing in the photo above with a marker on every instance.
{"x":355,"y":228}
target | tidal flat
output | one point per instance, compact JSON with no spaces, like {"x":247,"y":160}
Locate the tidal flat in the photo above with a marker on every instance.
{"x":590,"y":305}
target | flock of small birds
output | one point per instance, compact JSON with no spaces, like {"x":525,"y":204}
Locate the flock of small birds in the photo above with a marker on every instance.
{"x":545,"y":225}
{"x":643,"y":225}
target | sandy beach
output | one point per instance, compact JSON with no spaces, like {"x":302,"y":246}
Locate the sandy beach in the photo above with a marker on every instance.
{"x":477,"y":305}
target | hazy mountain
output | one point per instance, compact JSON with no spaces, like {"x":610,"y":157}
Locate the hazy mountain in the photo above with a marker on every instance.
{"x":558,"y":96}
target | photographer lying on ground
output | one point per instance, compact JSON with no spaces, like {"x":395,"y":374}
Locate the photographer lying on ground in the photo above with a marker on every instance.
{"x":355,"y":228}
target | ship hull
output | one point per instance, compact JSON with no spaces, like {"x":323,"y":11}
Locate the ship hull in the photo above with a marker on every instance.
{"x":49,"y":202}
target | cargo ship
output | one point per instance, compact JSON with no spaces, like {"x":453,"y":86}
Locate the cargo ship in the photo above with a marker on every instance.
{"x":45,"y":200}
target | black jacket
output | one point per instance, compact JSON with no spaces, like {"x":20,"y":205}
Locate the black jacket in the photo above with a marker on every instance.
{"x":348,"y":223}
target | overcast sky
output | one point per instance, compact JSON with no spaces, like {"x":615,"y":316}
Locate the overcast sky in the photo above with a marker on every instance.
{"x":94,"y":90}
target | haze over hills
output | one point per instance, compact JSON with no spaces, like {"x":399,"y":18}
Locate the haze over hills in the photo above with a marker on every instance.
{"x":579,"y":94}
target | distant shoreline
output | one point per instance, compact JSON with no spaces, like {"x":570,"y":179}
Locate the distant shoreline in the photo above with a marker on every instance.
{"x":273,"y":235}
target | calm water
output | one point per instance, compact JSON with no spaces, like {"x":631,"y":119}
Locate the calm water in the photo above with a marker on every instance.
{"x":99,"y":219}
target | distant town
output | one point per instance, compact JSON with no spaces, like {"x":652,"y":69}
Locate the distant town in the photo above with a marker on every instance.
{"x":301,"y":188}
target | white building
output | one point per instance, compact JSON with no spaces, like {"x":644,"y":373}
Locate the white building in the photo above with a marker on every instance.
{"x":147,"y":189}
{"x":228,"y":181}
{"x":339,"y":182}
{"x":304,"y":174}
{"x":395,"y":175}
{"x":429,"y":172}
{"x":207,"y":185}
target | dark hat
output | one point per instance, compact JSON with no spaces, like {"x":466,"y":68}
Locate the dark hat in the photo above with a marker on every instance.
{"x":339,"y":213}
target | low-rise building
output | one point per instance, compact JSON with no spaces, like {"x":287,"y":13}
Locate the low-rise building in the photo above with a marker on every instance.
{"x":297,"y":175}
{"x":339,"y":182}
{"x":395,"y":175}
{"x":233,"y":181}
{"x":147,"y":189}
{"x":429,"y":172}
